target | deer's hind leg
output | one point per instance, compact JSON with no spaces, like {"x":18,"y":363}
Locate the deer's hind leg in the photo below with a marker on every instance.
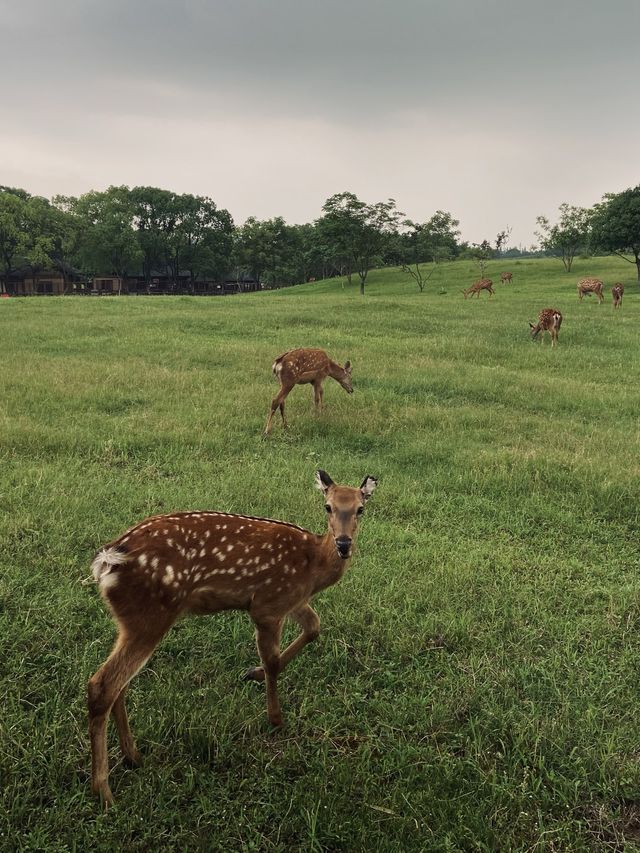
{"x":107,"y":688}
{"x":277,"y":403}
{"x":127,"y":744}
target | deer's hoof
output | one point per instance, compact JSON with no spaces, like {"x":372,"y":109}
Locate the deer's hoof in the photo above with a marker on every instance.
{"x":133,"y":759}
{"x":254,"y":673}
{"x":104,"y":792}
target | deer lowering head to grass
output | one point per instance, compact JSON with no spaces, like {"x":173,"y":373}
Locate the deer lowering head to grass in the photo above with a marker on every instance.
{"x":203,"y":562}
{"x":549,"y":320}
{"x":477,"y":286}
{"x":617,"y":292}
{"x":506,"y":277}
{"x":305,"y":367}
{"x":590,"y":285}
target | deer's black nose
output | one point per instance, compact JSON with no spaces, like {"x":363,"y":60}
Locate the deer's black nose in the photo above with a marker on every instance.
{"x":343,"y":544}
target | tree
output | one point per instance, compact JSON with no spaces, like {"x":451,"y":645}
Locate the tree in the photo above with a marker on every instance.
{"x":262,"y":249}
{"x":616,"y":225}
{"x":359,"y":231}
{"x":432,"y":241}
{"x":568,"y":236}
{"x":481,"y":254}
{"x":108,"y":242}
{"x":30,"y":229}
{"x":13,"y":219}
{"x":502,"y":240}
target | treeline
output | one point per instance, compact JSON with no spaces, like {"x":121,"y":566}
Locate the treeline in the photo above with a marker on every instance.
{"x":144,"y":231}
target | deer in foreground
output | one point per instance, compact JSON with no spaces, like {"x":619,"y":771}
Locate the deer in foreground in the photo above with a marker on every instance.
{"x":305,"y":367}
{"x":590,"y":285}
{"x":506,"y":277}
{"x":477,"y":286}
{"x":549,"y":320}
{"x":617,"y":292}
{"x":198,"y":563}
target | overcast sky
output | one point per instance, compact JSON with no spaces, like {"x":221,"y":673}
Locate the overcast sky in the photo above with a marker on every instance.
{"x":495,"y":110}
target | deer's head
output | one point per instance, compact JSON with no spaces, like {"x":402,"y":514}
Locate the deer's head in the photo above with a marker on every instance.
{"x":345,"y":379}
{"x":344,"y":507}
{"x":535,"y":330}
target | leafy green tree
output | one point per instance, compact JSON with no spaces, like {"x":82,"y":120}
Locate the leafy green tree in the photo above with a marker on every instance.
{"x":262,"y":249}
{"x":202,"y":237}
{"x":616,"y":225}
{"x":154,"y":220}
{"x":108,"y":241}
{"x":13,"y":229}
{"x":30,"y":230}
{"x":432,"y":242}
{"x":481,"y":253}
{"x":568,"y":236}
{"x":358,"y":231}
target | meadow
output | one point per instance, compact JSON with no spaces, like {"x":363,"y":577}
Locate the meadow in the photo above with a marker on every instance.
{"x":475,"y":685}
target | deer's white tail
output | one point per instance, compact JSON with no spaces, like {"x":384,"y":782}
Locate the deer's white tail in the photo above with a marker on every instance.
{"x":103,"y":564}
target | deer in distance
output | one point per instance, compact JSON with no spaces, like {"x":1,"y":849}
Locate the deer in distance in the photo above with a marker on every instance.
{"x":549,"y":320}
{"x":506,"y":277}
{"x":590,"y":285}
{"x":305,"y":366}
{"x":617,"y":292}
{"x":477,"y":286}
{"x":200,"y":563}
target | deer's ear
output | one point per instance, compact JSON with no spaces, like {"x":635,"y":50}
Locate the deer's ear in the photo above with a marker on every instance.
{"x":347,"y":366}
{"x":368,"y":487}
{"x":323,"y":481}
{"x":531,"y":326}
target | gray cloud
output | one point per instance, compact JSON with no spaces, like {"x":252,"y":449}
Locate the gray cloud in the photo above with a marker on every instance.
{"x":496,"y":111}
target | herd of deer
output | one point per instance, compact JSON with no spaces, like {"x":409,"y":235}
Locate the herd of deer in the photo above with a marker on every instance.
{"x":550,"y":319}
{"x":203,"y":562}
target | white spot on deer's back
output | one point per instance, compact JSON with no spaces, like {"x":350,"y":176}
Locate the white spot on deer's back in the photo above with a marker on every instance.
{"x":142,"y":559}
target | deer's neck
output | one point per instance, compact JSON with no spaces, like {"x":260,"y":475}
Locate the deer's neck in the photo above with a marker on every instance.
{"x":335,"y":371}
{"x":330,"y":567}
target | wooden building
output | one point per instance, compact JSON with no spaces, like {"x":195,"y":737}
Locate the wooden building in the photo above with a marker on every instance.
{"x":29,"y":281}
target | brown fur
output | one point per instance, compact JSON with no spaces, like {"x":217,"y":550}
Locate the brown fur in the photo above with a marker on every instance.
{"x":205,"y":562}
{"x":617,"y":292}
{"x":590,"y":285}
{"x":305,"y":366}
{"x":549,"y":320}
{"x":506,"y":277}
{"x":477,"y":286}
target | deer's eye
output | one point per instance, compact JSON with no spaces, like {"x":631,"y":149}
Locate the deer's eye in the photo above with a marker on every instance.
{"x":360,"y":510}
{"x":327,"y":507}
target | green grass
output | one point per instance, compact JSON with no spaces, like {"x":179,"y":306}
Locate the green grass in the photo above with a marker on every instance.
{"x":475,"y":685}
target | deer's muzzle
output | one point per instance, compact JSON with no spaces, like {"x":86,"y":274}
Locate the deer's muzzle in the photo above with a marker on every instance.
{"x":343,"y":544}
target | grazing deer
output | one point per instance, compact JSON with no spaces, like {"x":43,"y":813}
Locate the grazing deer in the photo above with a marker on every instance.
{"x":506,"y":277}
{"x":617,"y":291}
{"x":305,"y":367}
{"x":204,"y":562}
{"x":477,"y":286}
{"x":590,"y":285}
{"x":549,"y":320}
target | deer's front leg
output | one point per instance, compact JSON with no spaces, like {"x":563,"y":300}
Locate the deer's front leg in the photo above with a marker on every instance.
{"x":309,"y":621}
{"x":268,"y":641}
{"x":317,"y":396}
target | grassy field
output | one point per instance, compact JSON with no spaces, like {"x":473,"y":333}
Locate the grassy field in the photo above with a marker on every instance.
{"x":475,"y":685}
